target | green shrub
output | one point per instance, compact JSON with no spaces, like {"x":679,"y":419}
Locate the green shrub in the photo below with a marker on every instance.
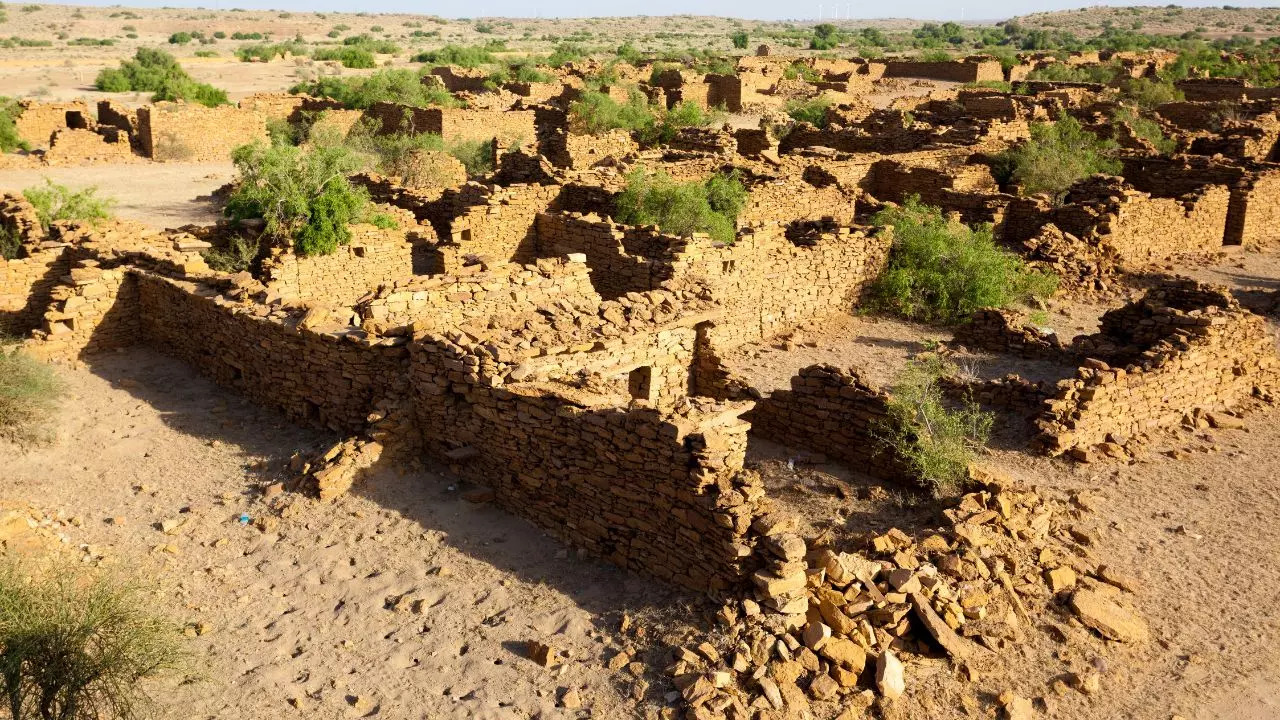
{"x":565,"y":53}
{"x":9,"y":113}
{"x":10,"y":243}
{"x":360,"y":93}
{"x":303,"y":196}
{"x":1001,"y":85}
{"x":91,"y":42}
{"x":938,"y":442}
{"x":392,"y":153}
{"x":350,"y":57}
{"x":265,"y":52}
{"x":58,"y":202}
{"x":1057,"y":155}
{"x":158,"y":72}
{"x":1146,"y":129}
{"x":372,"y":44}
{"x":596,"y":113}
{"x":825,"y":37}
{"x":74,"y":647}
{"x":456,"y":55}
{"x":238,"y":35}
{"x":237,"y":256}
{"x":708,"y":207}
{"x":1149,"y":93}
{"x":812,"y":111}
{"x":739,"y":39}
{"x":28,"y":395}
{"x":476,"y":155}
{"x":800,"y":70}
{"x":942,"y":270}
{"x":935,"y":56}
{"x":1062,"y":72}
{"x":180,"y":38}
{"x":628,"y":53}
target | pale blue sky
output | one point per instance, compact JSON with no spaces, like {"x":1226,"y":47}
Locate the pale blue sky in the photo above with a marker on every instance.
{"x":753,"y":9}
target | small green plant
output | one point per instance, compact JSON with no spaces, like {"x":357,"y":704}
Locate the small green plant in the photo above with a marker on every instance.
{"x":55,"y":202}
{"x":238,"y":255}
{"x":941,"y":270}
{"x":350,"y":57}
{"x":813,"y":110}
{"x":28,"y":395}
{"x":1057,"y":155}
{"x":710,"y":207}
{"x":937,"y":441}
{"x":596,"y":113}
{"x":739,"y":39}
{"x":456,"y":55}
{"x":1145,"y":128}
{"x":475,"y":155}
{"x":1149,"y":93}
{"x":75,"y":647}
{"x":1001,"y":85}
{"x":10,"y":243}
{"x":180,"y":38}
{"x":802,"y":71}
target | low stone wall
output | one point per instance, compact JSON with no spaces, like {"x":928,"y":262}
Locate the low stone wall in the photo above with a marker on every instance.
{"x":37,"y":121}
{"x":833,"y":412}
{"x":962,"y":71}
{"x":767,"y":283}
{"x":487,"y":221}
{"x":96,"y":311}
{"x":509,"y":127}
{"x":1174,"y":355}
{"x":476,"y":293}
{"x":80,"y":147}
{"x":373,"y":256}
{"x":622,"y":258}
{"x":658,"y":492}
{"x":26,"y":286}
{"x":1138,"y":228}
{"x":186,"y":132}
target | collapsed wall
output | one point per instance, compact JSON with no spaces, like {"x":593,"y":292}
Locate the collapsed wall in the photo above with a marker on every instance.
{"x":1136,"y":227}
{"x":1184,"y":349}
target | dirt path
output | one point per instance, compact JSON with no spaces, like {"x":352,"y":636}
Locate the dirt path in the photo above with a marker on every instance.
{"x":161,"y":195}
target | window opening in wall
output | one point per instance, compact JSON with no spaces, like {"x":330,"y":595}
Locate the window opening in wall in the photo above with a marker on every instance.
{"x":640,"y":383}
{"x":728,"y":266}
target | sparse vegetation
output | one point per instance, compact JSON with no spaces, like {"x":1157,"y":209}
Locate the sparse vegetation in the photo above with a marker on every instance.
{"x":74,"y":646}
{"x":1146,"y":129}
{"x":303,"y":196}
{"x":813,"y":110}
{"x":710,"y":207}
{"x":456,"y":55}
{"x":28,"y":395}
{"x":1057,"y":155}
{"x":938,"y":441}
{"x":941,"y":270}
{"x":55,"y":202}
{"x":396,"y":85}
{"x":350,"y":57}
{"x":158,"y":72}
{"x":9,"y":113}
{"x":237,"y":256}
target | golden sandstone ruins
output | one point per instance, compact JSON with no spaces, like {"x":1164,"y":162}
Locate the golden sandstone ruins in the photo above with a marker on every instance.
{"x":510,"y":330}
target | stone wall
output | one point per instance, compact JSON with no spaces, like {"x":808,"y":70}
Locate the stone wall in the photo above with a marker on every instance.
{"x":962,"y":71}
{"x":186,"y":132}
{"x":74,"y":146}
{"x":477,"y":222}
{"x":658,"y":492}
{"x":327,"y":379}
{"x":622,"y":258}
{"x":476,"y":292}
{"x":768,"y":283}
{"x":1137,"y":227}
{"x":509,"y":127}
{"x":96,"y":310}
{"x":836,"y":413}
{"x":37,"y":121}
{"x":1179,"y":352}
{"x":373,"y":256}
{"x":26,"y":286}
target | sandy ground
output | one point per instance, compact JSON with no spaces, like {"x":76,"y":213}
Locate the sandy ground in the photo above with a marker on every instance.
{"x":161,"y":195}
{"x":402,"y":600}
